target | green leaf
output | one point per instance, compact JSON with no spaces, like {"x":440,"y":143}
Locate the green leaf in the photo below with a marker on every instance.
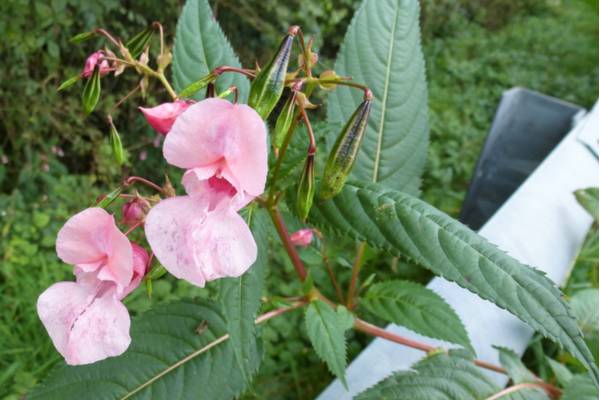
{"x":561,"y":372}
{"x":168,"y":359}
{"x":240,"y":300}
{"x":588,"y":198}
{"x":137,"y":44}
{"x":326,"y":328}
{"x":405,"y":226}
{"x":82,"y":37}
{"x":201,"y":46}
{"x":519,"y":374}
{"x":585,"y":308}
{"x":91,"y":92}
{"x":68,"y":83}
{"x":382,"y":49}
{"x":581,"y":387}
{"x":438,"y":377}
{"x":417,"y":308}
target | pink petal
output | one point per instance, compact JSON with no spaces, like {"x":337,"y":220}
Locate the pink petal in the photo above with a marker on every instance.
{"x":162,"y":117}
{"x":140,"y":263}
{"x":101,"y":331}
{"x":199,"y":136}
{"x":246,"y":153}
{"x":83,"y":239}
{"x":91,"y":62}
{"x":91,"y":241}
{"x":219,"y":192}
{"x":224,"y":245}
{"x":58,"y":307}
{"x":169,"y":227}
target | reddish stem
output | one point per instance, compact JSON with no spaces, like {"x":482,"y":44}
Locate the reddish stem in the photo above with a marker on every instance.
{"x":355,"y":272}
{"x":373,"y":330}
{"x":133,"y":227}
{"x":287,"y":242}
{"x":312,"y":146}
{"x":226,"y":68}
{"x":138,"y":179}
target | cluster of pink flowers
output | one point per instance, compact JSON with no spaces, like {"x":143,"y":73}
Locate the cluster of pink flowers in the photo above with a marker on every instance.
{"x":198,"y":237}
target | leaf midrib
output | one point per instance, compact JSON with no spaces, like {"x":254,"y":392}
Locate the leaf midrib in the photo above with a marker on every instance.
{"x":385,"y":96}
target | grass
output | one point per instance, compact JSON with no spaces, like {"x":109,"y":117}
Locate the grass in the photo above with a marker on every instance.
{"x":554,"y":52}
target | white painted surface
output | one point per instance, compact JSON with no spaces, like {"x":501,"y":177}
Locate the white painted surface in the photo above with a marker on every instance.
{"x":541,"y":225}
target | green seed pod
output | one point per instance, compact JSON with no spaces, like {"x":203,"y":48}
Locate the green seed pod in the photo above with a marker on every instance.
{"x":306,"y":188}
{"x":117,"y":145}
{"x":109,"y":198}
{"x":284,"y":121}
{"x":342,"y":156}
{"x":267,"y":87}
{"x":91,"y":92}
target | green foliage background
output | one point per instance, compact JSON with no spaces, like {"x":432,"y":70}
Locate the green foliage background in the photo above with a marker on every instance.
{"x":54,"y":162}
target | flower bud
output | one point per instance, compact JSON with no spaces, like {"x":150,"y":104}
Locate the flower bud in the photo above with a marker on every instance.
{"x":200,"y":84}
{"x":116,"y":144}
{"x":94,"y":60}
{"x":302,"y":238}
{"x":284,"y":121}
{"x":267,"y":87}
{"x":306,"y":188}
{"x":162,"y":117}
{"x":134,"y":211}
{"x":342,"y":156}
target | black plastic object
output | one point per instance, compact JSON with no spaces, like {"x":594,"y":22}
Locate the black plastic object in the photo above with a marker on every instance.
{"x":527,"y":126}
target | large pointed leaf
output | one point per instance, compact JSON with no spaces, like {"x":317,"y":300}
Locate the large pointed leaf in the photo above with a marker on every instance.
{"x":326,"y":327}
{"x":167,"y":359}
{"x":382,"y":49}
{"x":201,"y":46}
{"x":240,"y":299}
{"x":417,"y":308}
{"x":438,"y":377}
{"x":406,"y":226}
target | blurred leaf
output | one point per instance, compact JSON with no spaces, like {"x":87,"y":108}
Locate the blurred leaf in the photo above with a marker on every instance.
{"x":580,"y":387}
{"x":588,"y":198}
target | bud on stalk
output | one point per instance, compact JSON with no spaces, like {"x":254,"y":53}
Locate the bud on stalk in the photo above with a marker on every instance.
{"x":116,"y":144}
{"x":342,"y":156}
{"x":267,"y":87}
{"x":306,"y":188}
{"x":137,"y":44}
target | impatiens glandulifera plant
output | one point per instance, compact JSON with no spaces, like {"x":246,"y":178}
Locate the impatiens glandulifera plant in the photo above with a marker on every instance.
{"x":247,"y":166}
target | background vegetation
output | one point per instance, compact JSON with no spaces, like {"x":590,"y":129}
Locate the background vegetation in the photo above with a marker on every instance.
{"x":53,"y":161}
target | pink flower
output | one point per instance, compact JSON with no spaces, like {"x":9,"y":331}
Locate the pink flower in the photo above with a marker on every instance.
{"x":91,"y":241}
{"x":92,"y":61}
{"x":86,"y":319}
{"x":217,"y":139}
{"x":196,"y":244}
{"x":162,"y":117}
{"x":302,"y":238}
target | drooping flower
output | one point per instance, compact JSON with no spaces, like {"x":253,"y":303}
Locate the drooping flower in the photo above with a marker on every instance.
{"x":197,"y":244}
{"x":302,"y":238}
{"x":86,"y":319}
{"x":215,"y":138}
{"x":93,"y":60}
{"x":162,"y":117}
{"x":91,"y":241}
{"x":201,"y":237}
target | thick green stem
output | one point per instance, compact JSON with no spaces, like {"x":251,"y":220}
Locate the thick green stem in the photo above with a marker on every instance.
{"x":355,"y":273}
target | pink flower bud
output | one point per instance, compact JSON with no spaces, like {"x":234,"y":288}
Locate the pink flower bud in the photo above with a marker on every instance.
{"x":134,"y":211}
{"x":95,"y":59}
{"x":302,"y":238}
{"x":162,"y":117}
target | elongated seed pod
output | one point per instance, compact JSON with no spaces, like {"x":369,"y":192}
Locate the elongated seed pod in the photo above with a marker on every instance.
{"x":306,"y":188}
{"x":267,"y":87}
{"x":284,"y":121}
{"x":342,"y":156}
